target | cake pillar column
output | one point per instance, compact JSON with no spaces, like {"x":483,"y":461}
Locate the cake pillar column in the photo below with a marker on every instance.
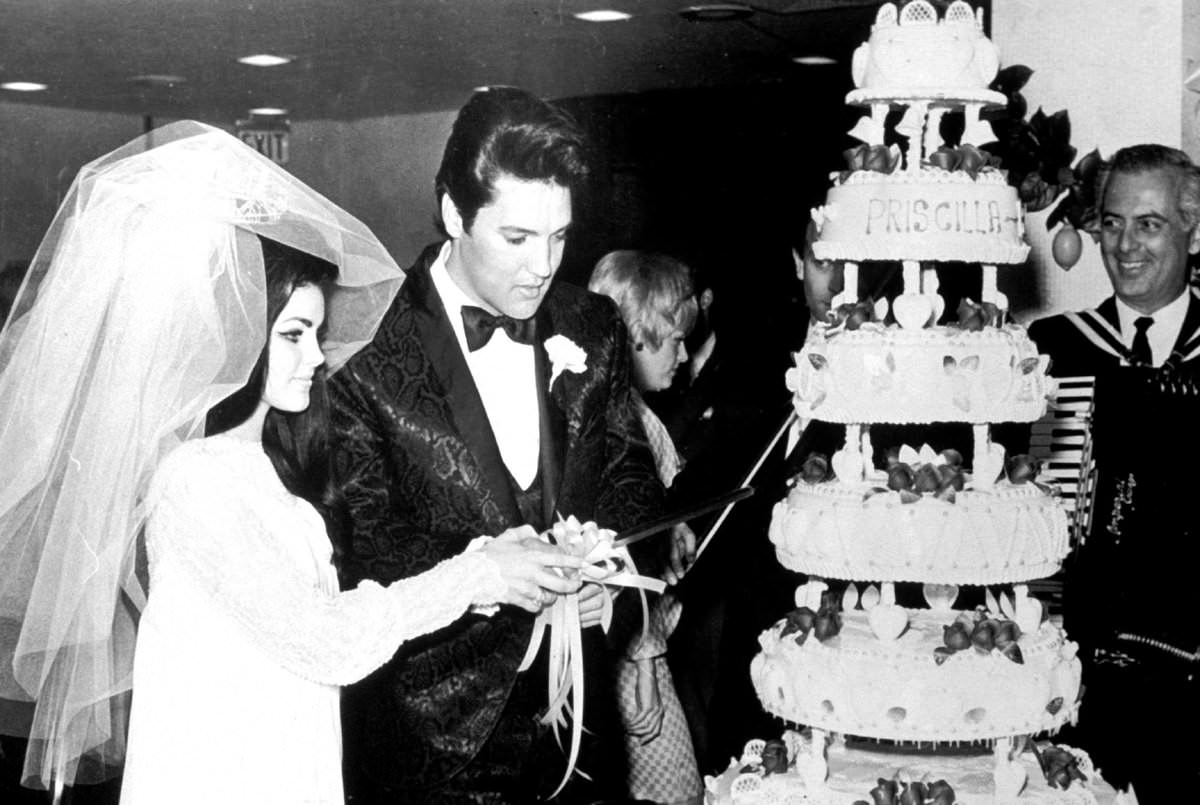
{"x":849,"y":464}
{"x":989,"y":458}
{"x":813,"y":765}
{"x":912,"y":126}
{"x":929,"y":287}
{"x":911,"y":273}
{"x":933,"y":134}
{"x":849,"y":294}
{"x":990,"y":291}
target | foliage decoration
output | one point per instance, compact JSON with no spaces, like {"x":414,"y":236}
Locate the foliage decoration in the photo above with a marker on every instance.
{"x":1038,"y":155}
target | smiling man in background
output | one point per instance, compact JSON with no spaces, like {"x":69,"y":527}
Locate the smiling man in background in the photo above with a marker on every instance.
{"x":1129,"y":597}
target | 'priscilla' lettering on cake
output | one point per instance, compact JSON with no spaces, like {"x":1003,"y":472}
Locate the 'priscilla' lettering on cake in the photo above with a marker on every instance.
{"x":902,"y":216}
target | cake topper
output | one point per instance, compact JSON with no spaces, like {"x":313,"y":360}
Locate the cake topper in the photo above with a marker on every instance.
{"x":922,"y":12}
{"x":913,"y":46}
{"x":924,"y":60}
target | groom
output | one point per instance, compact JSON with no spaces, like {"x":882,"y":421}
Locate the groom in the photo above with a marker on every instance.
{"x":463,"y":418}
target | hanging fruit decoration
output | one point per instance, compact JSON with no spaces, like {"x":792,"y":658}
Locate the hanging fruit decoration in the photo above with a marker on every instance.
{"x":1067,"y":246}
{"x":1038,"y":156}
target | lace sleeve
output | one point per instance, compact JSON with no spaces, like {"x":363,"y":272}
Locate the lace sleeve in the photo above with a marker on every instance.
{"x":201,"y":520}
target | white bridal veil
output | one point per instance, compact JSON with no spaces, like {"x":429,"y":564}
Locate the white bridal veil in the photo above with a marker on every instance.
{"x":144,"y":306}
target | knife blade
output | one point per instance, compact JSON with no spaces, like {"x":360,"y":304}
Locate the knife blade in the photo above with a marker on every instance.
{"x":638,"y":533}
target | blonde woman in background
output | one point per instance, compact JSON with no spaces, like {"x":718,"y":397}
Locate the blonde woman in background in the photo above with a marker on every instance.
{"x":655,"y":297}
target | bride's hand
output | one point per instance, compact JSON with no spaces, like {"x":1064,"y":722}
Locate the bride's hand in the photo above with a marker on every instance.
{"x":527,"y":565}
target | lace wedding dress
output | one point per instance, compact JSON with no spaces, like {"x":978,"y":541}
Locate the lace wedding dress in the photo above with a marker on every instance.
{"x":245,"y":638}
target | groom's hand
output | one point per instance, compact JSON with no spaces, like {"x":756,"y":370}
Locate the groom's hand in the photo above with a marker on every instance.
{"x":591,"y":605}
{"x":532,"y":568}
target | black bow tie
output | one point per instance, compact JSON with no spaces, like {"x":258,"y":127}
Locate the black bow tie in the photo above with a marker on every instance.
{"x":479,"y":326}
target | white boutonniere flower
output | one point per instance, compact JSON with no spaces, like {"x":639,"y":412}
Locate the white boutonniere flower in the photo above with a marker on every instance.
{"x":564,"y":354}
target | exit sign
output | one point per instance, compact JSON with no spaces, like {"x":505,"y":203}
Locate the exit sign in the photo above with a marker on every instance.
{"x":271,"y":143}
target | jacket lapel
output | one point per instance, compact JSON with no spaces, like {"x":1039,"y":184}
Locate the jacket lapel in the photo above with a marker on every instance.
{"x":552,"y":422}
{"x":1101,"y":328}
{"x":1107,"y":310}
{"x":468,"y":416}
{"x":1188,"y":342}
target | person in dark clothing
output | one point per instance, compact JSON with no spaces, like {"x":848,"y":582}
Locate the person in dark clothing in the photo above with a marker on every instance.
{"x":1128,"y":587}
{"x":491,"y":399}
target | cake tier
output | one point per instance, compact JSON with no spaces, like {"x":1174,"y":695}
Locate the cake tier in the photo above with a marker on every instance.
{"x":930,"y":214}
{"x":914,"y":46}
{"x":856,"y":684}
{"x":918,"y":376}
{"x":854,"y":772}
{"x":935,"y":95}
{"x":1006,"y":534}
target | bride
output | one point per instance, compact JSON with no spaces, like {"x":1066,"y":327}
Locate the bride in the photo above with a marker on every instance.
{"x":162,"y":373}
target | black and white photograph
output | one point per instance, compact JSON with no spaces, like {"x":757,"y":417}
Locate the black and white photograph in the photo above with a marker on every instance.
{"x":599,"y":402}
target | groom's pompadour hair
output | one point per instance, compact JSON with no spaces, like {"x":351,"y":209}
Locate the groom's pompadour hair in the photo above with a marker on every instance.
{"x":507,"y":131}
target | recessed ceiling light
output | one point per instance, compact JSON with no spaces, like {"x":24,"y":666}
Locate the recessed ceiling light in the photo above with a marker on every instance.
{"x":158,"y":80}
{"x":268,"y":111}
{"x":265,"y":60}
{"x":813,"y":60}
{"x":23,"y":86}
{"x":716,"y":12}
{"x":602,"y":15}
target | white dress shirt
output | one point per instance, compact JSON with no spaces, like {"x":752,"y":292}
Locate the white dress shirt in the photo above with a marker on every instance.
{"x":1168,"y":321}
{"x":504,"y":374}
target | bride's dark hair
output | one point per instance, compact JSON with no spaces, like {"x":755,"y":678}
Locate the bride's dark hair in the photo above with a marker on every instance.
{"x":296,"y":442}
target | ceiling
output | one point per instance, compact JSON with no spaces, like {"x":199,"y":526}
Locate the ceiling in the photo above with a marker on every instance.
{"x":366,"y":58}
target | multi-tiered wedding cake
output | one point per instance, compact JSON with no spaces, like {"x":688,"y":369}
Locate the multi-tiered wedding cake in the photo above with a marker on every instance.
{"x":930,"y":680}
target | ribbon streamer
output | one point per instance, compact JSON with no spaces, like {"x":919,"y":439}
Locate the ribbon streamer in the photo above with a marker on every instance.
{"x":609,"y":566}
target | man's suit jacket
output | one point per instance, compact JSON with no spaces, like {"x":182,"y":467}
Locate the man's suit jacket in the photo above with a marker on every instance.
{"x":422,"y":475}
{"x":1146,"y":434}
{"x":1086,"y":351}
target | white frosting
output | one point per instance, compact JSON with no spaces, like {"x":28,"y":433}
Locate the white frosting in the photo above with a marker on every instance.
{"x":1001,"y":535}
{"x":919,"y":376}
{"x":930,"y":214}
{"x":856,"y":684}
{"x":864,"y":97}
{"x":914,"y":49}
{"x":882,"y":680}
{"x":853,"y":772}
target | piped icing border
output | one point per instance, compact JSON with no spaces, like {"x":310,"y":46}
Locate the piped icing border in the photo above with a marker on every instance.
{"x":859,"y":685}
{"x":1003,"y":535}
{"x":919,"y":376}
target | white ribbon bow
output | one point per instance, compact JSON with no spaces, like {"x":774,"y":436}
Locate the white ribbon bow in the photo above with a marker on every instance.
{"x":609,"y":567}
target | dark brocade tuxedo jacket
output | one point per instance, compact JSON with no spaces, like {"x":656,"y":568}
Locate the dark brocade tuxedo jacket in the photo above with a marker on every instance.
{"x":422,"y":475}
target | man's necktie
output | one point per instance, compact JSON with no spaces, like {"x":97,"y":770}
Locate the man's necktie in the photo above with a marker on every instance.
{"x":479,"y":326}
{"x":1141,"y":344}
